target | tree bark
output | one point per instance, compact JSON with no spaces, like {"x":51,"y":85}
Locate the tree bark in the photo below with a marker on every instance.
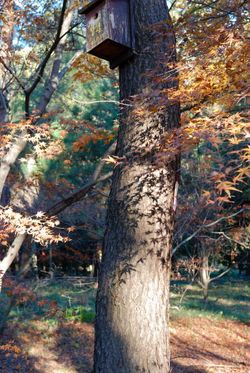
{"x":6,"y":37}
{"x":132,"y":334}
{"x":3,"y":107}
{"x":10,"y":256}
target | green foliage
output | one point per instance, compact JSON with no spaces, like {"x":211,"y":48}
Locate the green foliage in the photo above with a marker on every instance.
{"x":80,"y":313}
{"x":58,"y":300}
{"x":228,"y":299}
{"x":71,"y":165}
{"x":5,"y":306}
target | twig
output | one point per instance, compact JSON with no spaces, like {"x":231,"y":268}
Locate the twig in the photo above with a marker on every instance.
{"x":77,"y":196}
{"x":231,"y":239}
{"x":205,"y":226}
{"x":12,"y":73}
{"x":43,"y":64}
{"x":172,"y":5}
{"x":220,"y":275}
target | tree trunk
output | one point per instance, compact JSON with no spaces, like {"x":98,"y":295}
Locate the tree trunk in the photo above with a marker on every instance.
{"x":204,"y":272}
{"x":21,"y":139}
{"x":132,"y":333}
{"x":10,"y":256}
{"x":3,"y":108}
{"x":6,"y":37}
{"x":6,"y":304}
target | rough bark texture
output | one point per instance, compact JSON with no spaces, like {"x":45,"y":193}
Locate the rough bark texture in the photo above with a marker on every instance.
{"x":132,"y":302}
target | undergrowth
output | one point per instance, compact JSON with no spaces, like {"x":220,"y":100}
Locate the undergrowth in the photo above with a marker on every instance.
{"x":55,"y":301}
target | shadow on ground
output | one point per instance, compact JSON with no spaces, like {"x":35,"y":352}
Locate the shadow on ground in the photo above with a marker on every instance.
{"x":178,"y":368}
{"x":13,"y":359}
{"x":74,"y":341}
{"x":198,"y":345}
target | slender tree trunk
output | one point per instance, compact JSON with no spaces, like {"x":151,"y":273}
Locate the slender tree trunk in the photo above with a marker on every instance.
{"x":10,"y":158}
{"x":51,"y":272}
{"x":3,"y":107}
{"x":204,"y":272}
{"x":132,"y":334}
{"x":6,"y":37}
{"x":6,"y":305}
{"x":10,"y":256}
{"x":21,"y":141}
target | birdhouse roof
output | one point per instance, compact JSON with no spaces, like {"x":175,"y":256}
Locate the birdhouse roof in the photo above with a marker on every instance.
{"x":89,"y":5}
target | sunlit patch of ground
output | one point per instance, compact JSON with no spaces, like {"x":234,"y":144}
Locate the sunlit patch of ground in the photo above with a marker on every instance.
{"x":203,"y":345}
{"x":206,"y":337}
{"x":63,"y":348}
{"x":229,"y":299}
{"x":199,"y":345}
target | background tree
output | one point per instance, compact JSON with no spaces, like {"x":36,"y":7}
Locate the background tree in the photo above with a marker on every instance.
{"x":44,"y":47}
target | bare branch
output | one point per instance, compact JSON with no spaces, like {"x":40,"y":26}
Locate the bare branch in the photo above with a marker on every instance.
{"x":12,"y":73}
{"x":224,"y":218}
{"x":231,"y":239}
{"x":56,"y":75}
{"x":205,"y":226}
{"x":51,"y":50}
{"x":56,"y":209}
{"x":172,"y":5}
{"x":185,"y":241}
{"x":77,"y":196}
{"x":220,"y":275}
{"x":102,"y":162}
{"x":100,"y":102}
{"x":68,"y":66}
{"x":10,"y":158}
{"x":11,"y":255}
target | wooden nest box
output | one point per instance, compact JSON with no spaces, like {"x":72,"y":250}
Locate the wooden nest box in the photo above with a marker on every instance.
{"x":109,"y":31}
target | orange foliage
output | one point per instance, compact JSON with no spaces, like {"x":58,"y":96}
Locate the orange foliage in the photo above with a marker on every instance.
{"x":97,"y":135}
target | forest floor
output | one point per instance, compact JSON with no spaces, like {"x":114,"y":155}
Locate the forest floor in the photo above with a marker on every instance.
{"x":60,"y":341}
{"x":198,"y":346}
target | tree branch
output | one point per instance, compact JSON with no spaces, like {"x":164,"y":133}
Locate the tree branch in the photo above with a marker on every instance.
{"x":231,"y":239}
{"x":220,"y":275}
{"x":51,"y":50}
{"x":205,"y":226}
{"x":56,"y":75}
{"x":12,"y":73}
{"x":102,"y":162}
{"x":224,"y":218}
{"x":11,"y":255}
{"x":77,"y":196}
{"x":56,"y":209}
{"x":172,"y":5}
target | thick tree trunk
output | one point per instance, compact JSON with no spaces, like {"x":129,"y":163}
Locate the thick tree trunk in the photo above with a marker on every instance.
{"x":132,"y":334}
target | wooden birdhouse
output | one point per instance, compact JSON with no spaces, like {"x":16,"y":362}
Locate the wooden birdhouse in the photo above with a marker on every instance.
{"x":109,"y":30}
